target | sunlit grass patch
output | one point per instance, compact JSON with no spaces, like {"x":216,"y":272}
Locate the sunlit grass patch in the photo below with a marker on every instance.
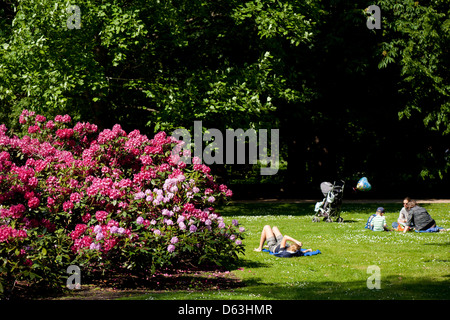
{"x":412,"y":265}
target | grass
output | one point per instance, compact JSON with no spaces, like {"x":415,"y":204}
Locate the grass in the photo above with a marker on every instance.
{"x":412,"y":265}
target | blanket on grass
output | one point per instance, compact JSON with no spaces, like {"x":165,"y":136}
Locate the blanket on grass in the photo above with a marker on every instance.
{"x":285,"y":254}
{"x":435,"y":229}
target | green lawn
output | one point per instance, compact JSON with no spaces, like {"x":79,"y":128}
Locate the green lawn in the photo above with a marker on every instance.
{"x":412,"y":265}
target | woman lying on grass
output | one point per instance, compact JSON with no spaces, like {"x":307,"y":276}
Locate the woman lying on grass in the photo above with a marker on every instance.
{"x":277,"y":243}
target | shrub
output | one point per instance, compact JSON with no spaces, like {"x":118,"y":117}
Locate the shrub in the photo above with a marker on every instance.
{"x":108,"y":200}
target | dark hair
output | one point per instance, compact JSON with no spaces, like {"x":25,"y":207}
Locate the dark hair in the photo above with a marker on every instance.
{"x":411,"y":203}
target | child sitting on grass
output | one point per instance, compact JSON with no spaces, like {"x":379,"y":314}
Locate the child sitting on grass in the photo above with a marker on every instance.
{"x":378,"y":223}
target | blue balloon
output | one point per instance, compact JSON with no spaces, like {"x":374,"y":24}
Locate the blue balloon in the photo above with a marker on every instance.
{"x":363,"y":184}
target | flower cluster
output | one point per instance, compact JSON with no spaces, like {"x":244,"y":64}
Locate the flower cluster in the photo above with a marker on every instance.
{"x":7,"y":233}
{"x":117,"y":197}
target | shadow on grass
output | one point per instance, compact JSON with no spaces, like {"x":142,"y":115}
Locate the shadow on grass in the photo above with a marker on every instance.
{"x":392,"y":288}
{"x":267,"y":209}
{"x":298,"y":209}
{"x":246,"y":263}
{"x":119,"y":284}
{"x":438,"y":244}
{"x":349,"y":221}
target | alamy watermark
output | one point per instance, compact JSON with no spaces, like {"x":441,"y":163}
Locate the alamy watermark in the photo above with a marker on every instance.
{"x":374,"y":281}
{"x":74,"y":21}
{"x":232,"y":148}
{"x":74,"y":280}
{"x":374,"y":19}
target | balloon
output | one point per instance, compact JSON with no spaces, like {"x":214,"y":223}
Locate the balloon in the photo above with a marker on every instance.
{"x":363,"y":184}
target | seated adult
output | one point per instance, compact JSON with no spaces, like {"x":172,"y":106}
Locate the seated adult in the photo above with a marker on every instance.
{"x":402,"y":217}
{"x":419,"y":218}
{"x":404,"y":212}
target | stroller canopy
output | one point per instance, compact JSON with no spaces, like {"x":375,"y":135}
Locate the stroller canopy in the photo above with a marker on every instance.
{"x":326,"y":187}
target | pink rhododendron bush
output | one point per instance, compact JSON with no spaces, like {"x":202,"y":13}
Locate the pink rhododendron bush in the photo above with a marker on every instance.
{"x":104,"y":200}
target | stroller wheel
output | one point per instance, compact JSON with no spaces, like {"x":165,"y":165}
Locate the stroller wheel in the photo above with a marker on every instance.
{"x":340,"y":220}
{"x":315,"y":219}
{"x":328,"y":220}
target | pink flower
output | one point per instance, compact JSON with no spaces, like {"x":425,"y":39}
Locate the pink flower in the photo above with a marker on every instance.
{"x":64,"y":119}
{"x":196,"y":160}
{"x":86,"y":218}
{"x":166,"y":212}
{"x":123,"y":205}
{"x":101,"y":215}
{"x":107,"y":172}
{"x":34,"y":129}
{"x":97,"y":228}
{"x":50,"y":125}
{"x":206,"y":169}
{"x":40,"y":118}
{"x":33,"y":203}
{"x":79,"y":230}
{"x":67,"y":206}
{"x":75,"y":197}
{"x":95,"y":246}
{"x":139,"y":195}
{"x":146,"y":160}
{"x":7,"y":233}
{"x":17,"y":210}
{"x":33,"y":182}
{"x":50,"y":202}
{"x":64,"y":133}
{"x":28,"y":263}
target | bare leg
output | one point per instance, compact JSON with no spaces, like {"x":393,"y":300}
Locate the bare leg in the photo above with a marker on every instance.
{"x":266,"y":233}
{"x":276,"y":232}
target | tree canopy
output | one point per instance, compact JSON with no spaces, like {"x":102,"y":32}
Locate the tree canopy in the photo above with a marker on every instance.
{"x":349,"y":101}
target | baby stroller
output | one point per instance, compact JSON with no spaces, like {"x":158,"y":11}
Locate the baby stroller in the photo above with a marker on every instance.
{"x":331,"y":205}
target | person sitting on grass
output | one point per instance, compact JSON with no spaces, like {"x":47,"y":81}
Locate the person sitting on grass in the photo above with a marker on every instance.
{"x":404,"y":212}
{"x":378,"y":223}
{"x":277,"y":243}
{"x":420,"y":219}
